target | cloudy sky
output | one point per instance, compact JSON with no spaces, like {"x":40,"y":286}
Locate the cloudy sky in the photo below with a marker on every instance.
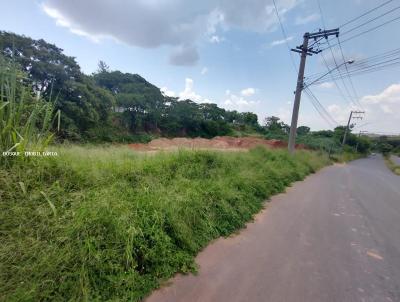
{"x":230,"y":52}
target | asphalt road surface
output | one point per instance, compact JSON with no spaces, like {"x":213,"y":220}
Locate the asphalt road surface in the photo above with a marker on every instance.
{"x":333,"y":237}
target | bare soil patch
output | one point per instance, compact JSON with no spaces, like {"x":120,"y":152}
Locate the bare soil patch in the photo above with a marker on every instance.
{"x":216,"y":143}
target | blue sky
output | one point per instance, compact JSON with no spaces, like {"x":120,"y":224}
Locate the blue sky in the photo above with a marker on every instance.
{"x":230,"y":52}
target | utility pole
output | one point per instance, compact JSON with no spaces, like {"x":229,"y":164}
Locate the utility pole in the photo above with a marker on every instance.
{"x":305,"y":51}
{"x":348,"y":124}
{"x":359,"y":135}
{"x":297,"y":97}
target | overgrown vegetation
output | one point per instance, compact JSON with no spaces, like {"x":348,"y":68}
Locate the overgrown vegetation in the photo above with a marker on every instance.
{"x":108,"y":224}
{"x":26,"y":120}
{"x":324,"y":140}
{"x":391,"y":164}
{"x":387,"y":144}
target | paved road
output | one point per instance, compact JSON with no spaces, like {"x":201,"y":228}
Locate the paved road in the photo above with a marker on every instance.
{"x":396,"y":159}
{"x":333,"y":237}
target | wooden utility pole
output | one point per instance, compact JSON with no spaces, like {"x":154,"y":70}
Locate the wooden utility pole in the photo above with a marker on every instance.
{"x":305,"y":50}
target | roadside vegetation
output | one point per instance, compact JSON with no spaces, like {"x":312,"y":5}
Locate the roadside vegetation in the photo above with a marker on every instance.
{"x":389,"y":146}
{"x":101,"y":222}
{"x":107,"y":224}
{"x":391,"y":164}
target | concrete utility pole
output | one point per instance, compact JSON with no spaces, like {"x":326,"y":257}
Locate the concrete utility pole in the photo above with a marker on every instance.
{"x":297,"y":97}
{"x":359,"y":135}
{"x":348,"y":124}
{"x":305,"y":51}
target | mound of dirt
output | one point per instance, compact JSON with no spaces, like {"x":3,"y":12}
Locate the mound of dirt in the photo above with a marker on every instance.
{"x":217,"y":143}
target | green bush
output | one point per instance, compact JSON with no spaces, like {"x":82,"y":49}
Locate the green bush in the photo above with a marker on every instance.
{"x":109,"y":224}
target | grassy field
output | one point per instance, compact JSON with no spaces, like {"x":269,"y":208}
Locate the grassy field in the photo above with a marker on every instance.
{"x":105,"y":223}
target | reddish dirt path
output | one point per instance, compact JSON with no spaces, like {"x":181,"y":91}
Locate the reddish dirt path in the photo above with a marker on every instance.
{"x":217,"y":143}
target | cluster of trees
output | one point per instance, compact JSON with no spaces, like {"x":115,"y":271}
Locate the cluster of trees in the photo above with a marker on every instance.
{"x":58,"y":77}
{"x":111,"y":105}
{"x":328,"y":140}
{"x":114,"y":106}
{"x":387,"y":144}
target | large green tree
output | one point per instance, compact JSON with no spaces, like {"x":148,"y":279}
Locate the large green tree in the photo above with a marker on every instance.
{"x":141,"y":102}
{"x":58,"y":78}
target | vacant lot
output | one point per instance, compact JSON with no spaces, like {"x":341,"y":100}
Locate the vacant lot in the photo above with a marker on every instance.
{"x":109,"y":224}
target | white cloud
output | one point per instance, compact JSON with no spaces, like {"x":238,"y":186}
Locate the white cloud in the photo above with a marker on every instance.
{"x":216,"y":39}
{"x":189,"y":93}
{"x":382,"y":110}
{"x":307,"y":19}
{"x":340,"y":113}
{"x":155,"y":23}
{"x":235,"y":102}
{"x":254,"y":15}
{"x":280,"y":42}
{"x":391,"y":95}
{"x":165,"y":91}
{"x":326,"y":85}
{"x":248,"y":92}
{"x":204,"y":70}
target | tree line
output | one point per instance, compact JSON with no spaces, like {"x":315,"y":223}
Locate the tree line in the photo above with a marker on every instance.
{"x":112,"y":106}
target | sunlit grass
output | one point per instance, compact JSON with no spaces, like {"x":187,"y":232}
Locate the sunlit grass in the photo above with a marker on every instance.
{"x":105,"y":223}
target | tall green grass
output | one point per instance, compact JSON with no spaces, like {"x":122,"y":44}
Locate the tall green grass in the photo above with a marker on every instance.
{"x":26,"y":121}
{"x":97,"y":224}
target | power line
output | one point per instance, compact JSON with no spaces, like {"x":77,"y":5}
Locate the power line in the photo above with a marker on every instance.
{"x":364,"y":32}
{"x":336,"y":84}
{"x":347,"y":71}
{"x":334,"y":81}
{"x":285,"y":36}
{"x":366,"y":69}
{"x":363,"y":62}
{"x":341,"y":76}
{"x":366,"y":13}
{"x":375,"y":69}
{"x":320,"y":108}
{"x":369,"y":21}
{"x":377,"y":57}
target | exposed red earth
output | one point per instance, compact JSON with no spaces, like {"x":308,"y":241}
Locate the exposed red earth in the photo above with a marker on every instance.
{"x":217,"y":143}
